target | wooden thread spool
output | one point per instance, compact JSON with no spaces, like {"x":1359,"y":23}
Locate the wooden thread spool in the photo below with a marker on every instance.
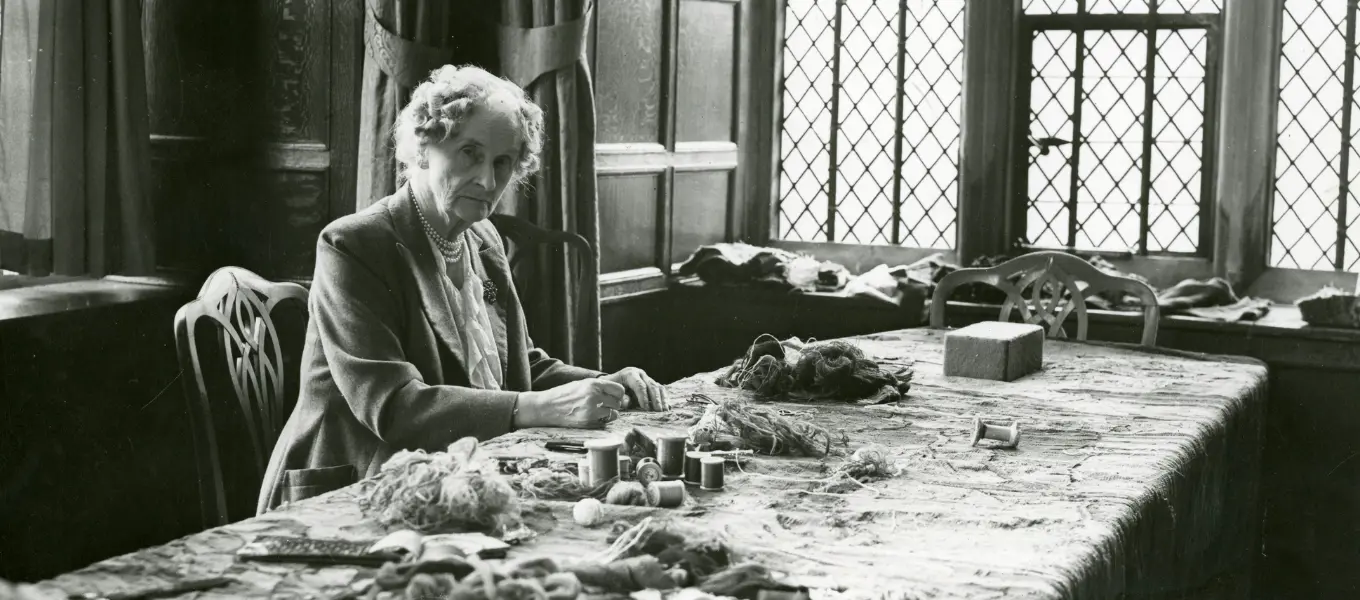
{"x":625,"y":468}
{"x":604,"y":460}
{"x":583,"y":471}
{"x":693,"y":474}
{"x":670,"y":454}
{"x":666,"y":494}
{"x":647,"y":472}
{"x":712,"y":473}
{"x":1008,"y":435}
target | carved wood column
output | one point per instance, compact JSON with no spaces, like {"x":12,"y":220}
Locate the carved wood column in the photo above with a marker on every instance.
{"x":986,"y":149}
{"x":1246,"y":139}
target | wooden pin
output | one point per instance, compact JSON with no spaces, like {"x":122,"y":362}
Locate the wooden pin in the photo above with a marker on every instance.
{"x":1008,"y":435}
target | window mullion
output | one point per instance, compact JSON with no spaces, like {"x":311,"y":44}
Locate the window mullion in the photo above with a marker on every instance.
{"x":1347,"y":101}
{"x":1149,"y":97}
{"x":897,"y":129}
{"x":834,"y":165}
{"x":1077,"y":141}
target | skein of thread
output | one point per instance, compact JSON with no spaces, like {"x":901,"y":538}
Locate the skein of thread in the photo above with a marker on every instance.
{"x":666,"y":494}
{"x":692,"y":472}
{"x":604,"y":460}
{"x":627,"y":493}
{"x":670,"y":453}
{"x":583,"y":471}
{"x":625,"y":468}
{"x":712,"y":479}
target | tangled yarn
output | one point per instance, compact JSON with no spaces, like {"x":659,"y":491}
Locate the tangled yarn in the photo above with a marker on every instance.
{"x":757,"y":428}
{"x":834,"y":370}
{"x":457,"y":489}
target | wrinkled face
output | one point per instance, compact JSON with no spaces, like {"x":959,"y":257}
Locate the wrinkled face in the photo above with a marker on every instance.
{"x":469,"y":172}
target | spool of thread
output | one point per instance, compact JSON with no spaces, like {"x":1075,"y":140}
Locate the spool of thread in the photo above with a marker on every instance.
{"x":583,"y":471}
{"x":712,"y":478}
{"x":1009,"y":436}
{"x":625,"y":468}
{"x":647,"y":472}
{"x":604,"y":460}
{"x":666,"y":494}
{"x":670,"y":453}
{"x":692,"y":472}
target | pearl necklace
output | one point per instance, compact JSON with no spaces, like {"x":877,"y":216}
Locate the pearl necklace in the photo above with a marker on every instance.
{"x":451,"y":250}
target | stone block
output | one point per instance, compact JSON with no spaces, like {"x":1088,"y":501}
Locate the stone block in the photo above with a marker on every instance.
{"x":994,"y":350}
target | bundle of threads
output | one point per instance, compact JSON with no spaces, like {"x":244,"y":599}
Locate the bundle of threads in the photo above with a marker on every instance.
{"x":460,"y":578}
{"x":657,"y":555}
{"x":866,"y":464}
{"x":457,"y":489}
{"x":834,"y":370}
{"x":733,"y":423}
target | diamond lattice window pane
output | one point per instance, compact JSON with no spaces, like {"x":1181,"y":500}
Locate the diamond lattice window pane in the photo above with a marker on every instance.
{"x":931,"y":104}
{"x":1190,"y":6}
{"x":1309,"y":147}
{"x":1054,"y":60}
{"x":1110,"y":170}
{"x":864,"y":126}
{"x":1178,"y":141}
{"x":868,"y":100}
{"x":1049,"y":7}
{"x":1128,"y":7}
{"x":809,"y":44}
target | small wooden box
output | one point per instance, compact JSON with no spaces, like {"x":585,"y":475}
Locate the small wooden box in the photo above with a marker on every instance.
{"x":994,"y":350}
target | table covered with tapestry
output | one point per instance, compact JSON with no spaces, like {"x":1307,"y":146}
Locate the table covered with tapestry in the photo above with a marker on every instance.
{"x":1136,"y":476}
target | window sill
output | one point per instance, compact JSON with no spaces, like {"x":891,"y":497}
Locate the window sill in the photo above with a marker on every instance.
{"x":1283,"y":320}
{"x":41,"y":298}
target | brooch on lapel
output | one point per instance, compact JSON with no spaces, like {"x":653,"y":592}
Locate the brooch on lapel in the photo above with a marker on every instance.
{"x":489,"y":291}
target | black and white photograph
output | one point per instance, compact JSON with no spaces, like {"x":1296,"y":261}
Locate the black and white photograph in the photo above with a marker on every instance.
{"x":679,"y":299}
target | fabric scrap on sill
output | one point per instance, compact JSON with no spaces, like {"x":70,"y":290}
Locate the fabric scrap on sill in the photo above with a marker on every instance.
{"x":738,"y":263}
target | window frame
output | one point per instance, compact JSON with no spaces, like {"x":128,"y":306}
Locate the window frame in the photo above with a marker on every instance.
{"x":766,"y":233}
{"x":1079,"y":24}
{"x":1237,"y":250}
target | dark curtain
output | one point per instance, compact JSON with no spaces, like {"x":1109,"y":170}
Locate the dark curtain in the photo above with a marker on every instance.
{"x":76,"y":140}
{"x":403,"y":41}
{"x":543,"y":50}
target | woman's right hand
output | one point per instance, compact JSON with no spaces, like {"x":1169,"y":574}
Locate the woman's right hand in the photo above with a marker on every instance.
{"x":583,"y":404}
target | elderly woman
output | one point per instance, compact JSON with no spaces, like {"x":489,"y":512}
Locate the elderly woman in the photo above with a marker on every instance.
{"x":417,"y":337}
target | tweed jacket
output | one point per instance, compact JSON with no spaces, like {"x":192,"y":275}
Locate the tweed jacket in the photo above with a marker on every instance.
{"x":382,"y":367}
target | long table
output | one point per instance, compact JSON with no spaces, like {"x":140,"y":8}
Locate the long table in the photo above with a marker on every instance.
{"x":1137,"y":476}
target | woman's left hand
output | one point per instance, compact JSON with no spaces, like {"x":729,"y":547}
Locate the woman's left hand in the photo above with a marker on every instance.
{"x":642,"y":389}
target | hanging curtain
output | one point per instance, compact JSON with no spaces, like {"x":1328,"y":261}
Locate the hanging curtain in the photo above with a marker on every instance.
{"x":543,"y":50}
{"x":403,"y":41}
{"x":74,"y":139}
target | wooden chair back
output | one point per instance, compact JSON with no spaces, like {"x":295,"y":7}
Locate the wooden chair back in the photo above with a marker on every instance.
{"x":524,"y":236}
{"x":239,"y":344}
{"x":1046,"y":276}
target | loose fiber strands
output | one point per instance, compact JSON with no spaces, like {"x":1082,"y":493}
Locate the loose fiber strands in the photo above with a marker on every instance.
{"x":759,"y":428}
{"x":457,"y":489}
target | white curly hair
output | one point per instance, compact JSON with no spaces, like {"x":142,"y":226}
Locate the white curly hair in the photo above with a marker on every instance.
{"x":440,"y":105}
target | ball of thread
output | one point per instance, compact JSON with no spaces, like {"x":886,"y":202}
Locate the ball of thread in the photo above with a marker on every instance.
{"x":627,"y":493}
{"x":588,"y":512}
{"x":562,"y":586}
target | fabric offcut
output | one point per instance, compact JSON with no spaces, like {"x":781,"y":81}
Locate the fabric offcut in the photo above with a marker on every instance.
{"x":834,"y":370}
{"x":1211,"y":298}
{"x":738,"y":263}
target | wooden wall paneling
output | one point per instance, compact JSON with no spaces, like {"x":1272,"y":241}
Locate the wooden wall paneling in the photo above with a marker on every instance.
{"x":638,"y":331}
{"x":629,"y":78}
{"x":700,"y":213}
{"x":628,"y":225}
{"x":706,"y":56}
{"x":297,"y":38}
